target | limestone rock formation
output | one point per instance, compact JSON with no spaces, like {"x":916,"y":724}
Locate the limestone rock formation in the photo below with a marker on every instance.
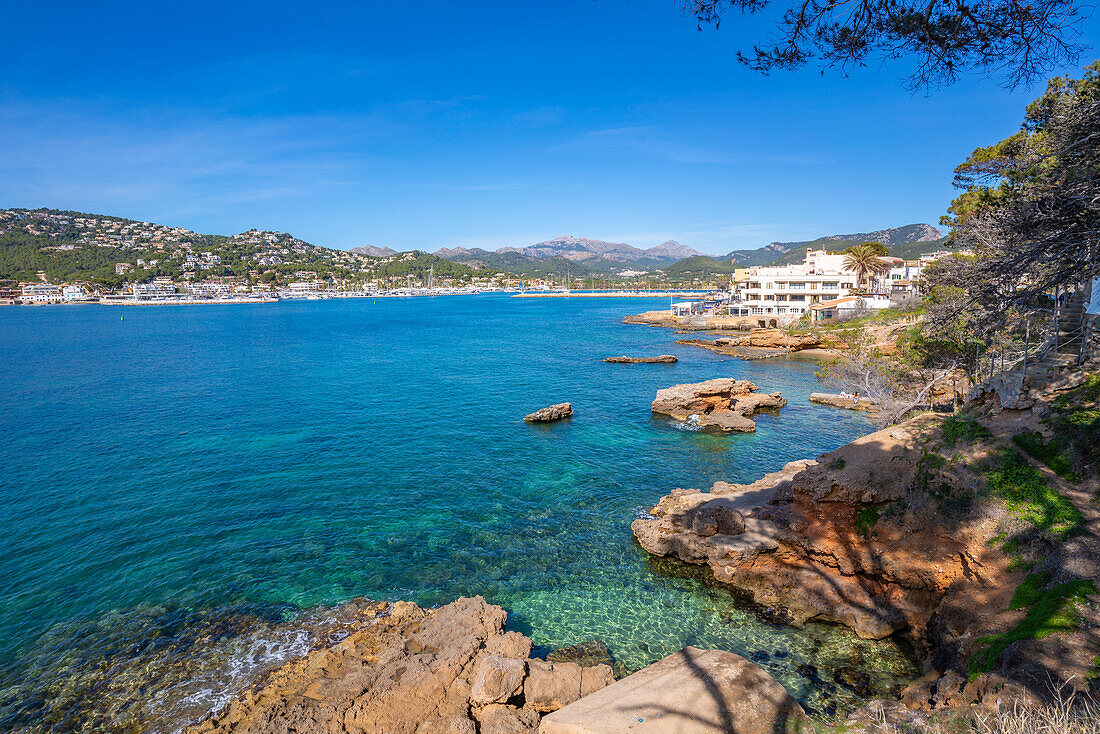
{"x":551,"y":413}
{"x":757,"y":344}
{"x":549,"y":686}
{"x":723,"y":403}
{"x":691,"y":692}
{"x":407,"y":670}
{"x":806,"y":555}
{"x":661,"y":359}
{"x":771,"y":339}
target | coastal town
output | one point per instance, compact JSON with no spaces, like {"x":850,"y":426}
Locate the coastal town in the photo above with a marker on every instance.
{"x":128,"y":262}
{"x":678,"y":367}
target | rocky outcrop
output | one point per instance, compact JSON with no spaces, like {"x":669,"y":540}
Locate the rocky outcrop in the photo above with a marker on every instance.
{"x":843,"y":401}
{"x":820,"y":541}
{"x":557,"y":412}
{"x":771,"y":339}
{"x":652,"y":318}
{"x":662,"y":359}
{"x":692,"y":692}
{"x":407,"y":670}
{"x":724,"y":403}
{"x":757,"y":344}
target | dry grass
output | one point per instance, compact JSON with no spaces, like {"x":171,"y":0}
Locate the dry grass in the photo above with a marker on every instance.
{"x":1076,"y":716}
{"x":1082,"y":718}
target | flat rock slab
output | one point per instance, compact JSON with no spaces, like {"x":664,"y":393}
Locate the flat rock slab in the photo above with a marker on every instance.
{"x":690,"y":692}
{"x":551,"y":413}
{"x":840,"y":401}
{"x":662,"y":359}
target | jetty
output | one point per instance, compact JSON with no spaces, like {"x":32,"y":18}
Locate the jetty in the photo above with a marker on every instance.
{"x":607,"y":294}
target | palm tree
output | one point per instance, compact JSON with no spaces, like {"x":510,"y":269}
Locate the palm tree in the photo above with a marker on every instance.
{"x":864,"y":261}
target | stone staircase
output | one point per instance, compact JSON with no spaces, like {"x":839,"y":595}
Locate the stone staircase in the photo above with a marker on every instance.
{"x":1076,"y":342}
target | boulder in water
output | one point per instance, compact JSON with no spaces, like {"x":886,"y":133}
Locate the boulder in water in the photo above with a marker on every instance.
{"x":551,"y":413}
{"x":661,"y":359}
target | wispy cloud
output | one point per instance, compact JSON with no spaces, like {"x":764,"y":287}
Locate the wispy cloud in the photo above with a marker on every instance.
{"x":177,"y":163}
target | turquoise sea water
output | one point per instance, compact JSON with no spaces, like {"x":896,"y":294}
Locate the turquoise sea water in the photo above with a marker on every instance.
{"x":182,"y":463}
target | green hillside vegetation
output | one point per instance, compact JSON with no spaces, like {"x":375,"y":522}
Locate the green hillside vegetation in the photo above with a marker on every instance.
{"x":50,"y":242}
{"x":418,"y":265}
{"x":915,"y":249}
{"x":699,"y":266}
{"x":789,"y":253}
{"x":910,"y":251}
{"x":516,"y":263}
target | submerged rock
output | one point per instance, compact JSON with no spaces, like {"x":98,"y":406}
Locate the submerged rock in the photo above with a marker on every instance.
{"x":662,"y":359}
{"x":723,"y":403}
{"x":551,"y":413}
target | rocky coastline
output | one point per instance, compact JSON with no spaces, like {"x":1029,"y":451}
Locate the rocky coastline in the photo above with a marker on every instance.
{"x":898,"y":533}
{"x":409,"y":670}
{"x":891,"y":534}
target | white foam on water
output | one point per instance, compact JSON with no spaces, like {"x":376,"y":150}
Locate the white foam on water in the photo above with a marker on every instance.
{"x":236,"y":663}
{"x":691,"y":423}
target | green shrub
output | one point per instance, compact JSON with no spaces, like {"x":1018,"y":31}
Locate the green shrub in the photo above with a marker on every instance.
{"x":963,"y":428}
{"x":1056,"y":454}
{"x":1029,"y":496}
{"x":866,"y":518}
{"x":1075,"y":420}
{"x":1051,"y":611}
{"x":1029,"y":590}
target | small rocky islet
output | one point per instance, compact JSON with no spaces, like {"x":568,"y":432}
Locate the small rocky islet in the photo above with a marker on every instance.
{"x":660,"y":359}
{"x":725,"y":404}
{"x":550,"y":414}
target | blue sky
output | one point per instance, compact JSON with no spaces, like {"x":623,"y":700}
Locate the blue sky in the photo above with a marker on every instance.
{"x":478,"y":124}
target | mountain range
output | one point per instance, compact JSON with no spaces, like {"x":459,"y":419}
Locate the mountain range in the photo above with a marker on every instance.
{"x":372,"y":251}
{"x":579,"y":256}
{"x":594,"y":255}
{"x":895,"y":238}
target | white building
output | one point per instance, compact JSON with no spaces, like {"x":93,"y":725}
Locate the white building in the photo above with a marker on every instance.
{"x":41,"y":293}
{"x":154,"y":291}
{"x":790,"y":290}
{"x":849,"y":306}
{"x":209,"y":290}
{"x":71,"y":293}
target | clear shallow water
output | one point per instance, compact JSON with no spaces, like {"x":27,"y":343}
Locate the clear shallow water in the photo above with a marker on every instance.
{"x":186,"y":460}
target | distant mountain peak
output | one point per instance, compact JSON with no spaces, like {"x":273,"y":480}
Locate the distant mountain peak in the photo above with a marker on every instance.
{"x":581,"y":249}
{"x":372,"y":251}
{"x":672,"y":248}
